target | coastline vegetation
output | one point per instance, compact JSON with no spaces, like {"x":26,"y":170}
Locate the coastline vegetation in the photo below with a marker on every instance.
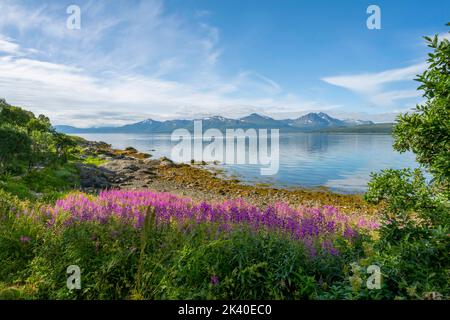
{"x":377,"y":128}
{"x":145,"y":244}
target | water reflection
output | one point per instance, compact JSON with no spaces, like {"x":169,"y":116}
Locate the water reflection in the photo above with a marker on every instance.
{"x":342,"y":162}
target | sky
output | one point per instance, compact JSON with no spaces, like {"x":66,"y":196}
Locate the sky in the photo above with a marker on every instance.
{"x":182,"y":59}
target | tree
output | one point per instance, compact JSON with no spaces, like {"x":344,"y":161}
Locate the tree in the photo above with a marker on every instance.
{"x":414,"y":235}
{"x":63,"y":144}
{"x":14,"y":146}
{"x":41,"y":124}
{"x":15,"y":116}
{"x":42,"y":149}
{"x":426,"y":132}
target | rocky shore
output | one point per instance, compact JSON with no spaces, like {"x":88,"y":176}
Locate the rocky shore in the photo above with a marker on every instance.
{"x":130,"y":169}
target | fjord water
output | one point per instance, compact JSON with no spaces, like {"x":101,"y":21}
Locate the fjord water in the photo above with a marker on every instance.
{"x":341,"y":162}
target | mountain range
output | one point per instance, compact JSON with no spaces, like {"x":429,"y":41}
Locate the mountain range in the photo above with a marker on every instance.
{"x":309,"y":122}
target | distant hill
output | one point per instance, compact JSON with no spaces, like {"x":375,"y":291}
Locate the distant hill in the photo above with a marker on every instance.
{"x":385,"y":128}
{"x":308,"y":122}
{"x":263,"y":121}
{"x":353,"y":122}
{"x":315,"y":121}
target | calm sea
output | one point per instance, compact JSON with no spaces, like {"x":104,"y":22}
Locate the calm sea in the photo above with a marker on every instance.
{"x":341,"y":162}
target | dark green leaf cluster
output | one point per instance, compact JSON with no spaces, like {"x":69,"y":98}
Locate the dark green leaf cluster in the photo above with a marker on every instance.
{"x":414,"y":237}
{"x":426,"y":132}
{"x":27,"y":141}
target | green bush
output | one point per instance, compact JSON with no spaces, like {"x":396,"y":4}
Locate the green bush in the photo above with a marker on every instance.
{"x":414,"y":242}
{"x":414,"y":237}
{"x":46,"y":184}
{"x":27,"y":141}
{"x":169,"y":261}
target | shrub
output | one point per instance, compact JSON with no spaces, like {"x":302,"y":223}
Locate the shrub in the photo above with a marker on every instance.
{"x":177,"y":249}
{"x":414,"y":236}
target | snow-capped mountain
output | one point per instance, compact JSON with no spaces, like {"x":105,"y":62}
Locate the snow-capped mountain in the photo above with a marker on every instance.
{"x":309,"y":122}
{"x":312,"y":121}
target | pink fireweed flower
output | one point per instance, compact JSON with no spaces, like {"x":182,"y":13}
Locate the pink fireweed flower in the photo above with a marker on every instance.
{"x":214,"y":280}
{"x":24,"y":239}
{"x":130,"y":207}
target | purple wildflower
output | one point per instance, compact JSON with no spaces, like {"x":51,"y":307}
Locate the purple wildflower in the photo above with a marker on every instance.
{"x":24,"y":239}
{"x":312,"y":226}
{"x":214,"y":280}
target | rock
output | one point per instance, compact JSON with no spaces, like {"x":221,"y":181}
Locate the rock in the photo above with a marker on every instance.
{"x":132,"y":167}
{"x":166,"y":162}
{"x":143,"y":172}
{"x":92,"y":177}
{"x":151,"y":162}
{"x":131,"y":149}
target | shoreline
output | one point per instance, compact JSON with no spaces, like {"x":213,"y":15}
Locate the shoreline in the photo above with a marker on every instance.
{"x":130,"y":169}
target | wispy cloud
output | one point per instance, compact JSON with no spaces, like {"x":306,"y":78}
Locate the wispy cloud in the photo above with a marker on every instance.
{"x":371,"y":82}
{"x":445,"y":36}
{"x":71,"y":95}
{"x":137,"y":64}
{"x":374,"y":86}
{"x":7,"y":46}
{"x":134,"y":59}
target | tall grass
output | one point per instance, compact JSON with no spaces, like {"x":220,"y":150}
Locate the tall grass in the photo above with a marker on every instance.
{"x":145,"y":245}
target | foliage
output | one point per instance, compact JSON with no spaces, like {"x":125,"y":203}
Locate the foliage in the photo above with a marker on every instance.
{"x":126,"y":251}
{"x":33,"y":157}
{"x":15,"y":146}
{"x":45,"y":184}
{"x":146,"y":245}
{"x":426,"y":132}
{"x":414,"y":241}
{"x":94,"y":161}
{"x":27,"y":141}
{"x":414,"y":236}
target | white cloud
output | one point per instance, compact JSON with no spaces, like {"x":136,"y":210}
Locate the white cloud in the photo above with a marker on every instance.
{"x":23,"y":19}
{"x":69,"y":95}
{"x":445,"y":36}
{"x":388,"y":98}
{"x":8,"y":46}
{"x":373,"y":85}
{"x":371,"y":82}
{"x":146,"y":63}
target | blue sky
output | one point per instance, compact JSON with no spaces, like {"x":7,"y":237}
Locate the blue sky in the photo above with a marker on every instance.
{"x":133,"y":60}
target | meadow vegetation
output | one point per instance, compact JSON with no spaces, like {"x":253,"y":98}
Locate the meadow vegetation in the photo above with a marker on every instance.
{"x":141,"y":244}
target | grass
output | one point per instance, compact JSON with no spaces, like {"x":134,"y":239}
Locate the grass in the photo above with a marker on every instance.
{"x":161,"y":261}
{"x":47,"y":183}
{"x":189,"y":259}
{"x":94,"y":161}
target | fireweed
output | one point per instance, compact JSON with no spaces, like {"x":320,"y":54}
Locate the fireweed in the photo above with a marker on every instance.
{"x":316,"y":227}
